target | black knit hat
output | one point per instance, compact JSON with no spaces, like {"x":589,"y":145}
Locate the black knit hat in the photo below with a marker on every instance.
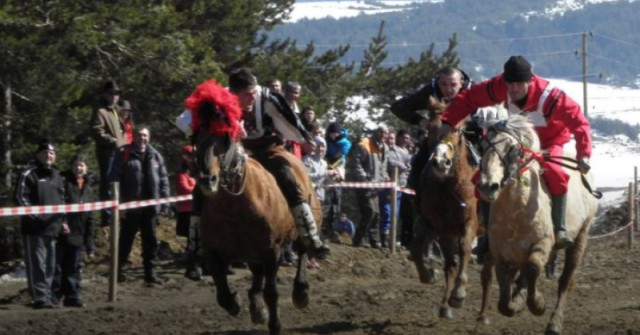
{"x":334,"y":127}
{"x":45,"y":144}
{"x":517,"y":69}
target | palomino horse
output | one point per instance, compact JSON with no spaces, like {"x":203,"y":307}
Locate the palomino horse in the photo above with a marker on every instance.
{"x":246,"y":218}
{"x":447,"y":205}
{"x":521,"y":231}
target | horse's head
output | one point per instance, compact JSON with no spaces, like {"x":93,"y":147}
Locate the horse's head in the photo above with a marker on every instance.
{"x":445,"y":153}
{"x":503,"y":149}
{"x":216,"y":157}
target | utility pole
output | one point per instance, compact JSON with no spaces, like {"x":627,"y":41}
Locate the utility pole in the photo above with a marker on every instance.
{"x":585,"y":108}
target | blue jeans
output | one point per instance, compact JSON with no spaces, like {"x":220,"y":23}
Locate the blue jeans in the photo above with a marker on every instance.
{"x":66,"y":282}
{"x":384,"y":201}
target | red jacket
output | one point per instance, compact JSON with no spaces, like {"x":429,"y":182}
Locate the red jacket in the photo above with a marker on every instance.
{"x":186,"y":184}
{"x":563,"y":116}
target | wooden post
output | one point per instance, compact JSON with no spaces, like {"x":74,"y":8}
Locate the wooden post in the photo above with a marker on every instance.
{"x":115,"y":235}
{"x":635,"y":198}
{"x":394,"y":209}
{"x":631,"y":216}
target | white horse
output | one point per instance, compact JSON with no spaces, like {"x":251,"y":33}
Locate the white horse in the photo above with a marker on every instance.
{"x":521,"y":230}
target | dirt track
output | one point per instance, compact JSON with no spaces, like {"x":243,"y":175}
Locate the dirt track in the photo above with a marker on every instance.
{"x":364,"y":291}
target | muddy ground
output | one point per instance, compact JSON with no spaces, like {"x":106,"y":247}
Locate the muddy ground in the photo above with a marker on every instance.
{"x":360,"y":291}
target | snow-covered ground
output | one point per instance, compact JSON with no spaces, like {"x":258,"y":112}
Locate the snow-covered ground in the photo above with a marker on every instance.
{"x":342,"y":9}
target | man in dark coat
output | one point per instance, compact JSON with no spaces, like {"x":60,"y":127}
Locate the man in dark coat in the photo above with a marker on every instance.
{"x":40,"y":184}
{"x":142,"y":174}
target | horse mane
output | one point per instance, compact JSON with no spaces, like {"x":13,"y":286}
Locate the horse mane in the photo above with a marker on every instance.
{"x":520,"y":127}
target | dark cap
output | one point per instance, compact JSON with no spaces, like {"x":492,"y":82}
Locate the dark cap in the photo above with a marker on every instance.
{"x":45,"y":144}
{"x":125,"y":105}
{"x":111,"y":87}
{"x":334,"y":127}
{"x":517,"y":69}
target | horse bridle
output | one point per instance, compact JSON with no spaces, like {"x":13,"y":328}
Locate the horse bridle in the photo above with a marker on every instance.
{"x":233,"y":167}
{"x":512,"y":161}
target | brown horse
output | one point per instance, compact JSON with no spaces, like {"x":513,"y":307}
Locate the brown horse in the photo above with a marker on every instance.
{"x":245,"y":217}
{"x":447,"y":205}
{"x":521,"y":230}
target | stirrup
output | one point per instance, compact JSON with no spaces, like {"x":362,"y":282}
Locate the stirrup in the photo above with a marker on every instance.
{"x":562,"y":240}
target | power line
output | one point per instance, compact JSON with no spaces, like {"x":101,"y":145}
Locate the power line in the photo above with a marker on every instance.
{"x":617,"y":40}
{"x":407,"y":44}
{"x":614,"y":61}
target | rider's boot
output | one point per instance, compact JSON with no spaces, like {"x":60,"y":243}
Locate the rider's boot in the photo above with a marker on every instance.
{"x":193,"y":249}
{"x":558,"y":209}
{"x":483,"y":242}
{"x":308,"y":231}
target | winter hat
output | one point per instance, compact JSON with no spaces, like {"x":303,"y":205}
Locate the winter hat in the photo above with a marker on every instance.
{"x":125,"y":105}
{"x":45,"y":144}
{"x":517,"y":69}
{"x":111,"y":87}
{"x":334,"y":127}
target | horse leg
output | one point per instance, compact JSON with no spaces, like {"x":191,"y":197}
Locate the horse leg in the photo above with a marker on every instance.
{"x":550,"y":267}
{"x":257,"y":309}
{"x":533,"y":269}
{"x":450,"y":269}
{"x":573,"y":257}
{"x":226,"y":298}
{"x":485,"y":279}
{"x":505,"y":274}
{"x":271,"y":294}
{"x":519,"y":296}
{"x":464,"y":256}
{"x":423,"y":237}
{"x":300,"y":296}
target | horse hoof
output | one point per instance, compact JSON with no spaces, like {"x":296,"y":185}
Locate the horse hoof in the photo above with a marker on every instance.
{"x":536,"y":306}
{"x":429,"y":276}
{"x":553,"y":329}
{"x":259,"y":316}
{"x":484,"y":320}
{"x":456,"y":302}
{"x":446,"y":313}
{"x":301,"y":300}
{"x":300,"y":296}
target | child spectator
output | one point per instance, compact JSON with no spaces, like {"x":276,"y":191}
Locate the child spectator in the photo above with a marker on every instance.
{"x":344,"y":226}
{"x":77,"y":235}
{"x":185,"y":185}
{"x":126,"y":120}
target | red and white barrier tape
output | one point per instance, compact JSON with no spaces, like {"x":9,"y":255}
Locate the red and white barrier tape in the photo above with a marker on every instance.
{"x":88,"y":207}
{"x":71,"y":208}
{"x":94,"y":206}
{"x":153,"y":202}
{"x":346,"y":184}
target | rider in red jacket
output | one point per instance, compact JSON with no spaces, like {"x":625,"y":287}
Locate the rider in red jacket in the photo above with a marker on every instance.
{"x":555,"y":117}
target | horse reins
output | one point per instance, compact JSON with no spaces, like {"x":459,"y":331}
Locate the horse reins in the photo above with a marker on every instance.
{"x":559,"y":160}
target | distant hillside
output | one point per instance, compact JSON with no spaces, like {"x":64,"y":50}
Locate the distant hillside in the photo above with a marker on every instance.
{"x":489,"y":31}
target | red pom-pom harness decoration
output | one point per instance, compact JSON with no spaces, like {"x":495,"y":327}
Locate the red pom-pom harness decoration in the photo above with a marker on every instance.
{"x":226,"y":106}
